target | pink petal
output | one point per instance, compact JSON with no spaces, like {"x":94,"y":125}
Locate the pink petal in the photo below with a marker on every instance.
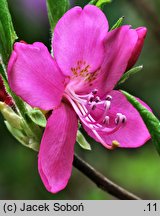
{"x":141,"y":32}
{"x":78,"y":39}
{"x":57,"y":148}
{"x":34,"y":76}
{"x":120,"y":44}
{"x":133,"y":134}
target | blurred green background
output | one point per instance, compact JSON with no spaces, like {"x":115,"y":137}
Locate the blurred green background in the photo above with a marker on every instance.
{"x":136,"y":169}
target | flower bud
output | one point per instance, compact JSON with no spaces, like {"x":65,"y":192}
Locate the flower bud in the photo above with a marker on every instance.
{"x":11,"y":117}
{"x":141,"y":32}
{"x":4,"y":97}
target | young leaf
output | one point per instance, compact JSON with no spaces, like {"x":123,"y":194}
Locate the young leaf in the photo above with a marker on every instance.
{"x":56,"y":9}
{"x":118,"y":23}
{"x":82,"y":141}
{"x":151,"y":121}
{"x":7,"y":33}
{"x":22,"y":138}
{"x":37,"y":117}
{"x":17,"y":133}
{"x":130,"y":73}
{"x":99,"y":3}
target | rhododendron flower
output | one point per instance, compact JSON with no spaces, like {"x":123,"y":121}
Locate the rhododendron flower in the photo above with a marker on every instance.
{"x":4,"y":97}
{"x":77,"y":83}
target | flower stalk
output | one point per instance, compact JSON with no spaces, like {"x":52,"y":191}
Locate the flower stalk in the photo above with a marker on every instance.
{"x":101,"y":181}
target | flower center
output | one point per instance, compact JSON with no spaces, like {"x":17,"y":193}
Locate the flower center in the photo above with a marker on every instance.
{"x":89,"y":106}
{"x":83,"y":70}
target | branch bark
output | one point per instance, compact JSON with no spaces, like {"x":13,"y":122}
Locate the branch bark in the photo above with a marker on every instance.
{"x":101,"y":181}
{"x":149,"y":15}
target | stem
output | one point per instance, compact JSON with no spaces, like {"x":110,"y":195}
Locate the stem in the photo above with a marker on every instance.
{"x":101,"y":181}
{"x":149,"y":15}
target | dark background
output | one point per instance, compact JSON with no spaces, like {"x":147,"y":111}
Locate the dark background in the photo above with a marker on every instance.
{"x":136,"y":169}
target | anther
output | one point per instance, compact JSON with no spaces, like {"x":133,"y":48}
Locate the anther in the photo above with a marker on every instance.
{"x":117,"y":121}
{"x":108,"y":97}
{"x":94,"y":91}
{"x":118,"y":118}
{"x":124,"y":120}
{"x":90,"y":98}
{"x":93,"y":105}
{"x":97,"y":99}
{"x":106,"y":120}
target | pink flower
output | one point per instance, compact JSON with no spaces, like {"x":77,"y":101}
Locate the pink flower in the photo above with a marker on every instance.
{"x":77,"y":83}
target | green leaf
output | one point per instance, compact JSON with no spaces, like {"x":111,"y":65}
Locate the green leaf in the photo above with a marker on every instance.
{"x":130,"y":73}
{"x":56,"y":9}
{"x":150,"y":120}
{"x":22,"y":138}
{"x":82,"y":141}
{"x":118,"y":23}
{"x":7,"y":33}
{"x":99,"y":3}
{"x":2,"y":73}
{"x":37,"y":117}
{"x":17,"y":133}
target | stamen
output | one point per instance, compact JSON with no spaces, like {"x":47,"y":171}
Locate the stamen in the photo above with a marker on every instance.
{"x":93,"y":105}
{"x":106,"y":120}
{"x":107,"y":105}
{"x":86,"y":105}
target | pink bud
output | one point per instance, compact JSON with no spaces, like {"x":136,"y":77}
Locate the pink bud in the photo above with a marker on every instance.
{"x":4,"y":97}
{"x":141,"y":32}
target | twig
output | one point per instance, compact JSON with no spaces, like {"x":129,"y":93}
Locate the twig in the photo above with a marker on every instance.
{"x":101,"y":181}
{"x":149,"y":15}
